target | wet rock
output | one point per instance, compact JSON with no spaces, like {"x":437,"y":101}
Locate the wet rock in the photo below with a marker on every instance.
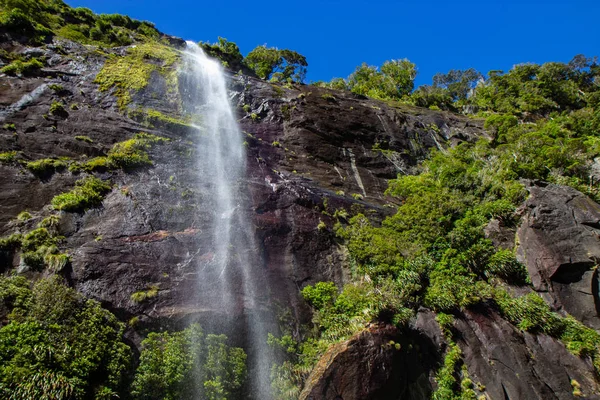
{"x":559,"y":244}
{"x":506,"y":363}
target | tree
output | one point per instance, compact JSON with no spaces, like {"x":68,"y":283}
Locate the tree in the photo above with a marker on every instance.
{"x":392,"y":81}
{"x":458,"y":82}
{"x":228,"y":52}
{"x":189,"y":365}
{"x":277,"y":65}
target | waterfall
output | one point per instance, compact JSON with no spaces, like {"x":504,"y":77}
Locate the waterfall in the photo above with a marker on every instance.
{"x":229,"y":283}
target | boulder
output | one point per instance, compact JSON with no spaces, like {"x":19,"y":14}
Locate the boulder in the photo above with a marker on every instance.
{"x":378,"y":363}
{"x":559,"y":244}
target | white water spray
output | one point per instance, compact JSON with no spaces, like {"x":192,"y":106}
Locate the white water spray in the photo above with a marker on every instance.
{"x":234,"y":274}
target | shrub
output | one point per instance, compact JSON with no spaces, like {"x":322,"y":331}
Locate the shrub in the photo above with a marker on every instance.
{"x":320,"y":295}
{"x":57,"y":344}
{"x":189,"y":364}
{"x":277,"y":65}
{"x":88,"y":192}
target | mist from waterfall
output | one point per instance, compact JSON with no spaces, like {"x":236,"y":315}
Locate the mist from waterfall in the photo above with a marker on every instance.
{"x":234,"y":273}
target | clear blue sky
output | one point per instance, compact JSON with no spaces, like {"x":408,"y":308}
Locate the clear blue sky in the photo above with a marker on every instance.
{"x":336,"y":36}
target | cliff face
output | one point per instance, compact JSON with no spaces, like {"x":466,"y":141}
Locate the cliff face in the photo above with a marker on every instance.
{"x":310,"y":151}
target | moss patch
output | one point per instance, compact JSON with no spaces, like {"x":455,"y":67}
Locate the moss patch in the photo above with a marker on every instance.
{"x":46,"y":166}
{"x":132,"y":71}
{"x":89,"y":192}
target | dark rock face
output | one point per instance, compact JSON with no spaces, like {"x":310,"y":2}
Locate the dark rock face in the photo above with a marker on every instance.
{"x":307,"y":154}
{"x":559,"y":244}
{"x":378,"y":363}
{"x":310,"y":152}
{"x":518,"y":365}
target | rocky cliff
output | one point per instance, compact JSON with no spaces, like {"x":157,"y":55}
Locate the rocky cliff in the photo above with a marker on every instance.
{"x":310,"y":151}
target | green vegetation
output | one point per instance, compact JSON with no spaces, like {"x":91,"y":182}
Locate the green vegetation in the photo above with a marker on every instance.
{"x":189,"y":365}
{"x":8,"y":157}
{"x":228,"y":52}
{"x":58,"y":109}
{"x":393,"y":81}
{"x":24,"y":216}
{"x":25,"y":68}
{"x":58,"y":345}
{"x":132,"y":72}
{"x":57,"y":88}
{"x":545,"y":125}
{"x":130,"y":154}
{"x":277,"y":65}
{"x":82,"y":138}
{"x":88,"y":192}
{"x":153,"y":118}
{"x":46,"y":166}
{"x":144,"y":295}
{"x":39,"y":20}
{"x":133,"y":153}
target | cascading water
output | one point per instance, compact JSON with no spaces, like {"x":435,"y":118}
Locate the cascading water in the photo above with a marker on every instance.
{"x":229,"y":281}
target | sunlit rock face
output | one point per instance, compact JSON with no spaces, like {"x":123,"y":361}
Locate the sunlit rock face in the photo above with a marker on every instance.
{"x":305,"y":153}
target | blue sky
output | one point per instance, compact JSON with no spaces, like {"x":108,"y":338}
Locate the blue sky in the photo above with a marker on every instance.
{"x":336,"y":36}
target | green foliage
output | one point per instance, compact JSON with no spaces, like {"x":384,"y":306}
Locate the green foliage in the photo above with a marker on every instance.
{"x":131,"y":72}
{"x":277,"y":65}
{"x":46,"y":166}
{"x":538,"y":89}
{"x":57,"y":344}
{"x":431,"y":97}
{"x":129,"y":154}
{"x":24,"y":216}
{"x":154,"y":118}
{"x":39,"y":250}
{"x":82,"y":138}
{"x":228,"y":52}
{"x":88,"y":192}
{"x":58,"y":109}
{"x":393,"y":81}
{"x":25,"y":68}
{"x":144,"y":295}
{"x":8,"y":157}
{"x":531,"y":313}
{"x":51,"y":221}
{"x":39,"y":20}
{"x":133,"y":153}
{"x":189,"y":365}
{"x":446,"y":376}
{"x":320,"y":295}
{"x":56,"y":88}
{"x":458,"y":83}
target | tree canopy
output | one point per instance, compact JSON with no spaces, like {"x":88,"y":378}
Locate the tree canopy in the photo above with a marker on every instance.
{"x":277,"y":65}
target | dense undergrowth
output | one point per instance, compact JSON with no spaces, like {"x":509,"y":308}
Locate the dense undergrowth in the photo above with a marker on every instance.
{"x":58,"y":345}
{"x":36,"y":21}
{"x":433,"y":252}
